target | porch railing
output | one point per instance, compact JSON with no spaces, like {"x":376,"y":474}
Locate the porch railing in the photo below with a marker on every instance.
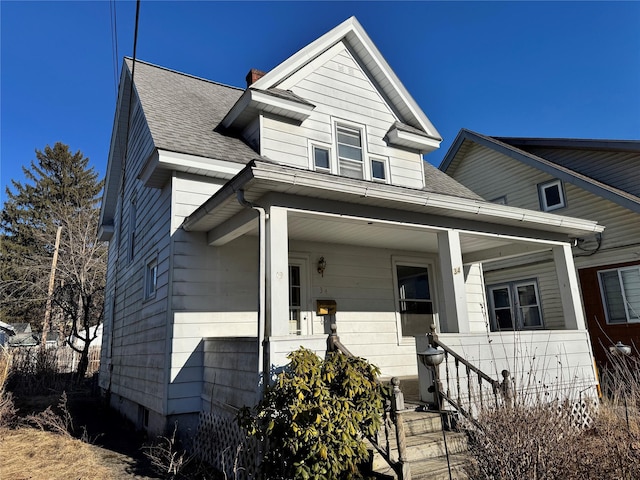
{"x":467,"y":388}
{"x":392,"y":423}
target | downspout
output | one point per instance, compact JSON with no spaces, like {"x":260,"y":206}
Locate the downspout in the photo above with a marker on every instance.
{"x":263,"y":364}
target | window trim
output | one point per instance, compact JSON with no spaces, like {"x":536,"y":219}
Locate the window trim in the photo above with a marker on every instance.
{"x":151,"y":266}
{"x":424,"y":262}
{"x":514,"y":305}
{"x":385,"y":162}
{"x":543,"y":199}
{"x":603,"y":298}
{"x":312,"y":159}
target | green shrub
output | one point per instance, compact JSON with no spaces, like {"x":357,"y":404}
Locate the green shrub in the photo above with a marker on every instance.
{"x":313,"y":417}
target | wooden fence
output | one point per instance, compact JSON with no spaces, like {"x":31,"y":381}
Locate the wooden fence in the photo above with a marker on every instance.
{"x":61,"y":359}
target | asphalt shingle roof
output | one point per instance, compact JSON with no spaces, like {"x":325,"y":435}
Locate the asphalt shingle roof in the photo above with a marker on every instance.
{"x":184,"y":112}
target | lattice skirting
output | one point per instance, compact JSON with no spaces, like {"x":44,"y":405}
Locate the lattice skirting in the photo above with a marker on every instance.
{"x":581,"y":413}
{"x":221,"y":443}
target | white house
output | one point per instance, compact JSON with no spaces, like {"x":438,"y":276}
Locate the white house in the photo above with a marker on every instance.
{"x":238,"y":219}
{"x":587,"y":178}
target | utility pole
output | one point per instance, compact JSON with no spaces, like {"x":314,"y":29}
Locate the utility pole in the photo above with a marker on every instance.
{"x":52,"y":280}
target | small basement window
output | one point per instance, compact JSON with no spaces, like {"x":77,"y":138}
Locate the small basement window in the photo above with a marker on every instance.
{"x":551,"y":195}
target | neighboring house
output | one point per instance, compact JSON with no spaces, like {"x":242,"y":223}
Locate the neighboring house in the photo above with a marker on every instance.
{"x":6,"y":331}
{"x":594,"y":179}
{"x":243,"y":222}
{"x":23,"y":337}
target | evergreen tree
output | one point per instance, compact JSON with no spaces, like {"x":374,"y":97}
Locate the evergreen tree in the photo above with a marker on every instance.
{"x":60,"y":190}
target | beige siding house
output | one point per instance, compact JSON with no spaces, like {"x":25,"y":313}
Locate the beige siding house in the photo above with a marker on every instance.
{"x":593,"y":179}
{"x":236,"y":216}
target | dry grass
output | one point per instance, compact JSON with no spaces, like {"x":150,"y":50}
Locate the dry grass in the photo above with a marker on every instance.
{"x":539,"y":442}
{"x":34,"y":454}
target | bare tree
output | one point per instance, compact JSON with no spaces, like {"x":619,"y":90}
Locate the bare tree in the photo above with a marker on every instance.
{"x":81,"y":273}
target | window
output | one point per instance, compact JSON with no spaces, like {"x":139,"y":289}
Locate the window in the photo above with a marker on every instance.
{"x":500,"y":200}
{"x":515,"y":305}
{"x":415,"y":302}
{"x":151,"y":279}
{"x":551,"y":195}
{"x":132,"y":230}
{"x":378,"y":170}
{"x":321,"y":158}
{"x":620,"y":290}
{"x":350,"y":156}
{"x":295,"y":300}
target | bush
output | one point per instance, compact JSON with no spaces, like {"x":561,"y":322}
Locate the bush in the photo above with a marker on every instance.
{"x":313,"y":418}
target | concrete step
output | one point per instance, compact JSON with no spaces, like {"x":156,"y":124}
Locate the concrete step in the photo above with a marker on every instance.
{"x":437,"y":468}
{"x":431,"y":469}
{"x":424,"y":446}
{"x":416,"y":423}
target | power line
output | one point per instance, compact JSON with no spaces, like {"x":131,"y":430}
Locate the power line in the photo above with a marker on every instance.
{"x":114,"y":43}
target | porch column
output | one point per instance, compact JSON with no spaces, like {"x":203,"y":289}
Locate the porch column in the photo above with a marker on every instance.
{"x":453,"y":286}
{"x":277,"y":263}
{"x":569,"y":290}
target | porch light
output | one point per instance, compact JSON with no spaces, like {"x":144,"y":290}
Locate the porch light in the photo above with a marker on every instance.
{"x":620,"y":349}
{"x":431,"y":356}
{"x":322,"y":264}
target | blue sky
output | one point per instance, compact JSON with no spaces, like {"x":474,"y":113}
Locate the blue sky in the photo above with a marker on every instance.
{"x":539,"y":69}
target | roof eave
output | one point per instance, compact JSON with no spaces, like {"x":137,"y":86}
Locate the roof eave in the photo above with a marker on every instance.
{"x":325,"y":186}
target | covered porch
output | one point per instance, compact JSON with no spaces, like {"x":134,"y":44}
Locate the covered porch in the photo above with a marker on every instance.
{"x":385,"y":263}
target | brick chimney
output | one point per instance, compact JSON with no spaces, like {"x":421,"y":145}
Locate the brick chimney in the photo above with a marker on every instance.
{"x":253,"y":76}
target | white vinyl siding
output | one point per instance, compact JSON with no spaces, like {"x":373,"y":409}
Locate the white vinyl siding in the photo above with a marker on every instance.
{"x":137,"y":332}
{"x":340,"y":90}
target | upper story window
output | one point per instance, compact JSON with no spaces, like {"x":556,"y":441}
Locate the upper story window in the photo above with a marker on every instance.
{"x":350,"y":157}
{"x":378,"y":170}
{"x":620,"y":289}
{"x":515,"y":305}
{"x":321,"y":158}
{"x":551,"y":195}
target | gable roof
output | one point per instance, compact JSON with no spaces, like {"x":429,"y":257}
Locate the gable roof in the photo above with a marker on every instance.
{"x":509,"y":147}
{"x":373,"y":63}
